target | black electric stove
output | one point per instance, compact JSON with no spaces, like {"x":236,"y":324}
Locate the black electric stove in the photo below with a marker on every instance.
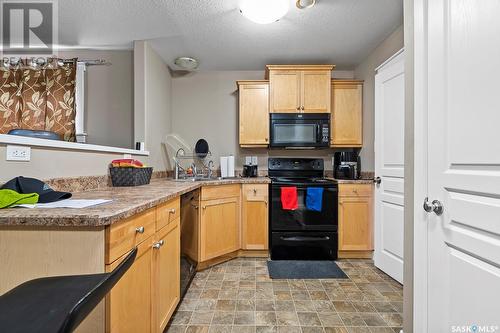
{"x":302,"y":234}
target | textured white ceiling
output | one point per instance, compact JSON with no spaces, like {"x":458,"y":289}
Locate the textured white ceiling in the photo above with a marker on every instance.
{"x":342,"y":32}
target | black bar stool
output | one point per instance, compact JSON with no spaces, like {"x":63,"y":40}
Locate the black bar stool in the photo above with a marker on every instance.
{"x":57,"y":304}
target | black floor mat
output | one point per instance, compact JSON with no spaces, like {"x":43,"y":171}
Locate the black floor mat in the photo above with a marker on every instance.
{"x":304,"y":269}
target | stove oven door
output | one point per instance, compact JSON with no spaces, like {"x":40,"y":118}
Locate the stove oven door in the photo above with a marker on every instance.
{"x":303,"y":219}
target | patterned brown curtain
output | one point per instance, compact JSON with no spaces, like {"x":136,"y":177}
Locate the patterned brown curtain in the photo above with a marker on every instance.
{"x":41,"y":98}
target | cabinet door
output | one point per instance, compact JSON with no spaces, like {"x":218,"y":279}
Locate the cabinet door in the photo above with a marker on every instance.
{"x":129,"y":302}
{"x":219,"y":227}
{"x":166,"y":283}
{"x":254,"y":114}
{"x":284,"y":91}
{"x":315,"y":91}
{"x":355,"y":224}
{"x":347,"y":114}
{"x":255,"y":217}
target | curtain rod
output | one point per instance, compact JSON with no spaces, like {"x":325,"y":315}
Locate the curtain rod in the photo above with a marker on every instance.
{"x":41,"y":61}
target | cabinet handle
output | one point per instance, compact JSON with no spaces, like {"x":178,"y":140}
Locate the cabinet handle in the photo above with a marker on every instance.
{"x":195,"y":207}
{"x":298,"y":108}
{"x":267,"y":139}
{"x":159,"y":244}
{"x":139,"y":230}
{"x":254,"y":191}
{"x":265,"y":201}
{"x":172,"y":211}
{"x":204,"y":207}
{"x":302,"y":108}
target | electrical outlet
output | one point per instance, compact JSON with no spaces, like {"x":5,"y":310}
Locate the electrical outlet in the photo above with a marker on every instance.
{"x":18,"y":153}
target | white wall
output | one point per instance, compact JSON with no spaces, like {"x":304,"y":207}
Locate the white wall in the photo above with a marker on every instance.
{"x":109,"y":98}
{"x":205,"y":105}
{"x":366,"y":71}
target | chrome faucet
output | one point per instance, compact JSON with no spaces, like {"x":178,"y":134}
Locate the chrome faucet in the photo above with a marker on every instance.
{"x":209,"y":167}
{"x":180,"y":152}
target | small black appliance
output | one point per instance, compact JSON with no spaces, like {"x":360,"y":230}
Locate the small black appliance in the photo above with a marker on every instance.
{"x":346,"y":165}
{"x":250,"y":170}
{"x":300,"y":130}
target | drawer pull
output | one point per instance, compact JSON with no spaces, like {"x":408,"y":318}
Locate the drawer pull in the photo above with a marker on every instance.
{"x":159,"y":244}
{"x":139,"y":230}
{"x":172,"y":211}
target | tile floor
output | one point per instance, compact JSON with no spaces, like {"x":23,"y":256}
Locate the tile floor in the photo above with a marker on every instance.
{"x":238,"y":296}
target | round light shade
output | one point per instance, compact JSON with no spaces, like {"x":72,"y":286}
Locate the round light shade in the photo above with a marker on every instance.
{"x":186,"y":63}
{"x":264,"y":11}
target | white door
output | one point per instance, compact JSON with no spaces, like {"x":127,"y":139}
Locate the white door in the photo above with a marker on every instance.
{"x":389,"y":166}
{"x":458,"y":106}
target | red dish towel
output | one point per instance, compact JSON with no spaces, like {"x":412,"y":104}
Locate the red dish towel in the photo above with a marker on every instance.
{"x":289,"y":198}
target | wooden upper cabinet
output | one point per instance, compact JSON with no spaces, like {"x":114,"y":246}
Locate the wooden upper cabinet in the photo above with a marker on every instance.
{"x":254,"y":113}
{"x":299,"y":88}
{"x":347,"y":113}
{"x":316,"y":91}
{"x":284,"y":91}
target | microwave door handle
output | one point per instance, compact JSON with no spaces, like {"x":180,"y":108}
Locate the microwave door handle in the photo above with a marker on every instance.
{"x":318,"y":133}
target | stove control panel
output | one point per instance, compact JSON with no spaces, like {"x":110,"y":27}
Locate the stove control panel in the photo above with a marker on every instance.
{"x":298,"y":164}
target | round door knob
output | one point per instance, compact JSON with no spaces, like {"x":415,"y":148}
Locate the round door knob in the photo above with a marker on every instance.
{"x":139,"y":230}
{"x":377,"y":180}
{"x":435,"y":206}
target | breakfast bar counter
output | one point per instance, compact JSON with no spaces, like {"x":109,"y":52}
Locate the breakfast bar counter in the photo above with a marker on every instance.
{"x":126,"y":202}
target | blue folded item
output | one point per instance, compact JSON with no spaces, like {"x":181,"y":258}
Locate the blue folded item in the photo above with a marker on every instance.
{"x":314,"y":198}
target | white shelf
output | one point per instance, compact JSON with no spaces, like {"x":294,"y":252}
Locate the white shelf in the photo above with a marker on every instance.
{"x":27,"y":141}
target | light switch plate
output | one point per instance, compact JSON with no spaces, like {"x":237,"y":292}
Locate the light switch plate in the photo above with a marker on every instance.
{"x":18,"y":153}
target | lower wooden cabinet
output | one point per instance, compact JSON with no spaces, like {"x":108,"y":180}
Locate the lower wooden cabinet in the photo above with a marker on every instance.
{"x":128,"y":304}
{"x":255,"y":217}
{"x":219,"y":227}
{"x":146,"y":296}
{"x":355,"y":219}
{"x":166,"y":274}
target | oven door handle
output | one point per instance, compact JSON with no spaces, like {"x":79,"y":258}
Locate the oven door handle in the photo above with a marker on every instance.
{"x":304,"y":238}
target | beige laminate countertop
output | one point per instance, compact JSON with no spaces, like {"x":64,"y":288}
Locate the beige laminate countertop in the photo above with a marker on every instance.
{"x":127,"y":201}
{"x":352,"y":181}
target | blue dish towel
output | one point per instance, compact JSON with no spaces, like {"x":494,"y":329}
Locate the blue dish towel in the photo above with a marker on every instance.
{"x":314,"y":198}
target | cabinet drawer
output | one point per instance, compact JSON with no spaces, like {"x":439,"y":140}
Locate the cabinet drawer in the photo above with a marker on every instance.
{"x":167,"y":213}
{"x":255,"y":192}
{"x":220,"y":191}
{"x":355,"y":190}
{"x":121,"y":237}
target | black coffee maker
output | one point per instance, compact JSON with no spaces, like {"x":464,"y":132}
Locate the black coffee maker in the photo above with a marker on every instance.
{"x":346,"y":165}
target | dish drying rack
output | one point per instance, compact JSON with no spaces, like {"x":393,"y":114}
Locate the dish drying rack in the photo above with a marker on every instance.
{"x":205,"y":172}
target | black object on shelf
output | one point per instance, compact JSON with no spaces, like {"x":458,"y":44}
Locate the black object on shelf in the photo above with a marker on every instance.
{"x":130,"y":176}
{"x":201,"y":148}
{"x":57,"y":304}
{"x":35,"y":134}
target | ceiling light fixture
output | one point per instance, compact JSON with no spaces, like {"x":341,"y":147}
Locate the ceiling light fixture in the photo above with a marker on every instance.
{"x":304,"y":4}
{"x":186,"y":63}
{"x":264,"y":11}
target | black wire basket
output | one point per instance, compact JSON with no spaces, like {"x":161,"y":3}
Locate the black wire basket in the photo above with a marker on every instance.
{"x":130,"y":176}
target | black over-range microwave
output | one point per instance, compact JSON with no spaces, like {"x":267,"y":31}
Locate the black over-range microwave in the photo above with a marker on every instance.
{"x":300,"y":130}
